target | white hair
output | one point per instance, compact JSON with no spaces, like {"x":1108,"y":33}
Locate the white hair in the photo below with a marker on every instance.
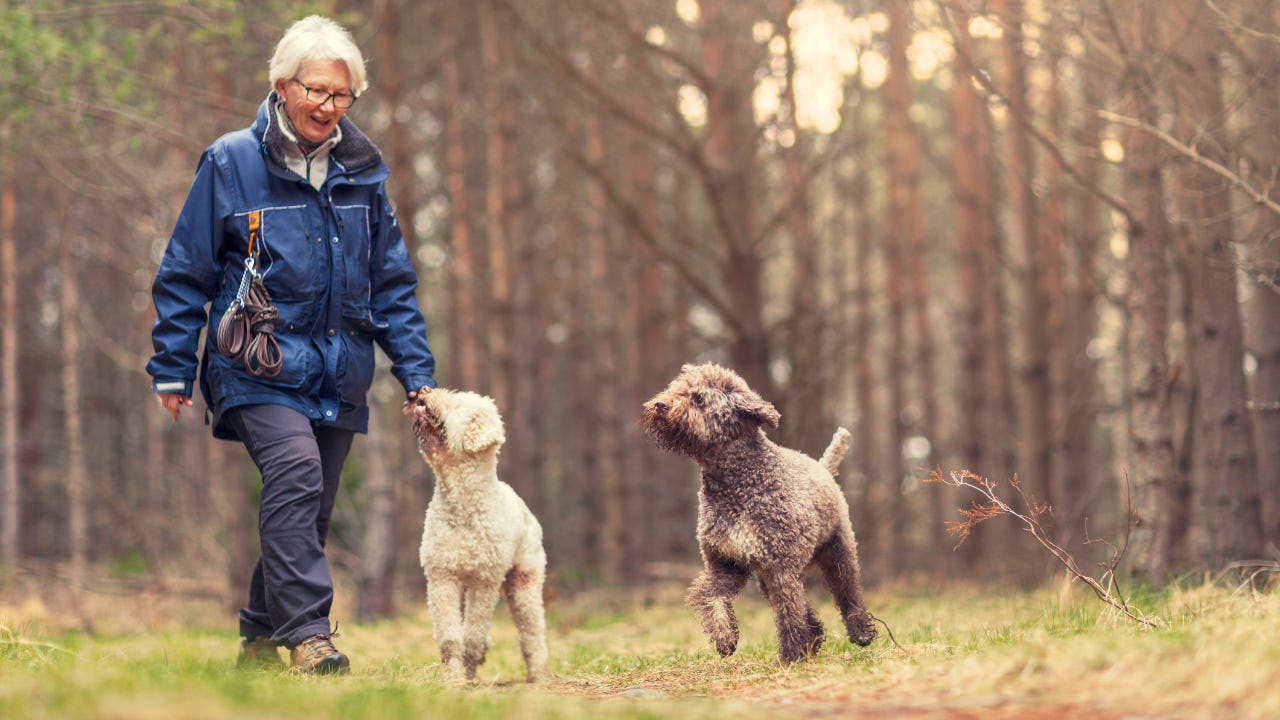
{"x":317,"y":38}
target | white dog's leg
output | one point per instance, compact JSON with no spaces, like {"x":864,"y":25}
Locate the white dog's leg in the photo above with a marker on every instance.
{"x":444,"y":601}
{"x":480,"y":602}
{"x":523,"y":590}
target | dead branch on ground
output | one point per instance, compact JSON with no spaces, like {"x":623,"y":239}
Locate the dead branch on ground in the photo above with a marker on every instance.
{"x":1030,"y":517}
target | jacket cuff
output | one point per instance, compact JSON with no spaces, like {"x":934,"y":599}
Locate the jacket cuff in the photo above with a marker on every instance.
{"x":418,"y":382}
{"x":178,"y":387}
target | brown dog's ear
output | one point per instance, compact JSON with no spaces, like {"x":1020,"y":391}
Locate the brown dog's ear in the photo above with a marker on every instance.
{"x":480,"y":432}
{"x":753,"y":407}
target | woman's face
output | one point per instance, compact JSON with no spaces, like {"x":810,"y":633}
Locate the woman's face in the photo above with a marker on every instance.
{"x":314,"y":121}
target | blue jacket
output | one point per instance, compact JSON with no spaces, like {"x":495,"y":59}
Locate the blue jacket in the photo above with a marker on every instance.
{"x":333,"y":261}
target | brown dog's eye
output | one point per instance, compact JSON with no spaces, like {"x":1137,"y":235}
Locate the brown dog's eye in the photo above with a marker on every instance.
{"x":698,"y":399}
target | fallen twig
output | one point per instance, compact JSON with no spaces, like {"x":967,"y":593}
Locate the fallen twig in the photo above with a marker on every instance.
{"x":994,"y":506}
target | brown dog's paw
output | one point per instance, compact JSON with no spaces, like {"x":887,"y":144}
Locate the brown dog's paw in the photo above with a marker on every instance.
{"x":861,"y":629}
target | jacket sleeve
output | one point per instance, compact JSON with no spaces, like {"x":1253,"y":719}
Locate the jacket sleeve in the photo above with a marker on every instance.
{"x":185,"y":282}
{"x":394,"y":303}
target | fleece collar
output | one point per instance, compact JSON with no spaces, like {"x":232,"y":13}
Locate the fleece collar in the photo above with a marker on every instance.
{"x":310,"y":166}
{"x":348,"y":147}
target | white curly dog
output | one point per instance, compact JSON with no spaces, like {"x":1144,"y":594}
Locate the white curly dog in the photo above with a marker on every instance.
{"x":479,"y":538}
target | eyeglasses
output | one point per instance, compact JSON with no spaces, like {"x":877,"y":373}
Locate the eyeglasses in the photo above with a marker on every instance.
{"x":341,"y":101}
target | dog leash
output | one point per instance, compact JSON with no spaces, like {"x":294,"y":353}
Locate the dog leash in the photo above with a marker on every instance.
{"x":246,"y":333}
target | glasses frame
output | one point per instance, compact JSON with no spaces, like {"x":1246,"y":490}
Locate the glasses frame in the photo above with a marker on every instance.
{"x":310,"y":91}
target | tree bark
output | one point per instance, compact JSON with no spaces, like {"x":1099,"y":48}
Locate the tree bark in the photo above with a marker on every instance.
{"x":1034,"y":401}
{"x":1226,"y":492}
{"x":1260,"y":251}
{"x":803,"y":417}
{"x":398,"y":146}
{"x":902,"y":174}
{"x":376,"y":598}
{"x":1051,"y":291}
{"x":869,"y":436}
{"x":605,"y":346}
{"x":973,"y":230}
{"x":731,"y":172}
{"x":1080,"y":404}
{"x":466,"y":326}
{"x":499,"y":165}
{"x":9,"y":481}
{"x":77,"y":475}
{"x":1154,"y":502}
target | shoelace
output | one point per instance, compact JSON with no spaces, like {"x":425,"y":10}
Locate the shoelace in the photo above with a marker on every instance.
{"x":318,"y":647}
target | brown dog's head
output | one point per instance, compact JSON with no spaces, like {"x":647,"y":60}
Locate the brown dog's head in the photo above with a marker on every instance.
{"x":705,"y":407}
{"x":451,"y":425}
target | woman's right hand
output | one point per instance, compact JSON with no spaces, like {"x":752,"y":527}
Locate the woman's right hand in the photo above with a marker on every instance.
{"x":173,"y":402}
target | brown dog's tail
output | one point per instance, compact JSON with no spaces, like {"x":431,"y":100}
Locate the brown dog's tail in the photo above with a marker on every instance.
{"x":834,"y":453}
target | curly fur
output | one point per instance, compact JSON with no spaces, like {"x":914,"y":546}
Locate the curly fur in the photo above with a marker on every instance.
{"x":479,"y":539}
{"x":763,"y":510}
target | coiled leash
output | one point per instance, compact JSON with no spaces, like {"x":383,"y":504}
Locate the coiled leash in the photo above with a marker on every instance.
{"x":247,"y":332}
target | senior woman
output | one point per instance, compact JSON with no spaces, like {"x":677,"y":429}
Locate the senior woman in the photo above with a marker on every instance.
{"x":289,"y":219}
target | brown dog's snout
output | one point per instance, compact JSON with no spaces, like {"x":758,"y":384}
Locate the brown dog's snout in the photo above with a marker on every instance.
{"x":660,"y":407}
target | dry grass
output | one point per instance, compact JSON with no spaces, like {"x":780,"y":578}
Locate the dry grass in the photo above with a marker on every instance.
{"x":966,"y":652}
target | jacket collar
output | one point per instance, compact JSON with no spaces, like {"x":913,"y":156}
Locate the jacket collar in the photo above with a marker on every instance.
{"x":354,"y":152}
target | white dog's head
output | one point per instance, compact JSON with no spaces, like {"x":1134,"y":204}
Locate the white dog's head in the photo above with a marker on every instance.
{"x":451,"y":425}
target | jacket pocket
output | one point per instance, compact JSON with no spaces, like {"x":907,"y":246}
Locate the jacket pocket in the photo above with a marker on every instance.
{"x":297,"y":354}
{"x":358,"y":335}
{"x":357,"y":241}
{"x":288,"y":248}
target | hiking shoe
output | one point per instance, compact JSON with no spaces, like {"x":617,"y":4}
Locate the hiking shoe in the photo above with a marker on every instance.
{"x":317,"y":656}
{"x":259,"y":653}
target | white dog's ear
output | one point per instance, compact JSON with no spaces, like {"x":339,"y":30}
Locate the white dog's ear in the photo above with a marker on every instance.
{"x":480,"y":432}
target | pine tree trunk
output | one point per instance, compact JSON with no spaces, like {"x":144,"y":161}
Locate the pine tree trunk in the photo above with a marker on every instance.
{"x":971,"y":189}
{"x":1154,"y":475}
{"x":466,"y":322}
{"x":1260,"y":251}
{"x":869,"y":437}
{"x":899,"y":145}
{"x":604,"y":312}
{"x":499,"y":161}
{"x":11,"y":498}
{"x":398,"y":147}
{"x":1034,"y":401}
{"x":376,"y":598}
{"x":647,"y":342}
{"x":1226,"y":492}
{"x":929,"y":422}
{"x":731,"y":167}
{"x":803,"y":416}
{"x":1080,"y":405}
{"x":77,"y":474}
{"x":1051,"y":293}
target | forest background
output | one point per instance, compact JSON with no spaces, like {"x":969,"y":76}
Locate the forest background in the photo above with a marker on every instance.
{"x":1015,"y":237}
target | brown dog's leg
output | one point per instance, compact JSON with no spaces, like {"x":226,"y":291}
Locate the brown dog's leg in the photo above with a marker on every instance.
{"x":799,"y":631}
{"x":838,"y":561}
{"x":712,"y":593}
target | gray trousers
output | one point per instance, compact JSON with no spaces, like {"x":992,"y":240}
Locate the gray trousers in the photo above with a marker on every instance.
{"x":291,"y":590}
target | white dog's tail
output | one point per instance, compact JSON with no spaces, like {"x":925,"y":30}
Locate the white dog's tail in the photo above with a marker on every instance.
{"x":834,"y":453}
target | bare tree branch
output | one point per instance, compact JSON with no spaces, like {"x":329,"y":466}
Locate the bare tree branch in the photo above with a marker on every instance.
{"x":1046,"y":142}
{"x":1260,"y":197}
{"x":994,"y":506}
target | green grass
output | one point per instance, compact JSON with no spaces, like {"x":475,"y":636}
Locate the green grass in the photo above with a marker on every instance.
{"x":966,"y":651}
